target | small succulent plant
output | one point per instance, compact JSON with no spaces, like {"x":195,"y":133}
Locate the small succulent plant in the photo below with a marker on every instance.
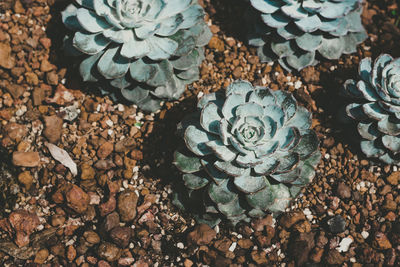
{"x":143,"y":50}
{"x":295,"y":32}
{"x":378,"y":109}
{"x":247,"y":152}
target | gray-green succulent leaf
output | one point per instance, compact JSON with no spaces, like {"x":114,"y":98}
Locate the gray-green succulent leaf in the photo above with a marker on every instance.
{"x":296,"y":32}
{"x":249,"y":150}
{"x":377,"y":111}
{"x":136,"y":45}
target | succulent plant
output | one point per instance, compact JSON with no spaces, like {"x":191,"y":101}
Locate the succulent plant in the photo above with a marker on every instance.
{"x":248,"y":151}
{"x":378,"y":109}
{"x":295,"y":32}
{"x":143,"y":50}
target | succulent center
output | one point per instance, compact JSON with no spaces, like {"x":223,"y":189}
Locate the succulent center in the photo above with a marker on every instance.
{"x":132,"y":6}
{"x":249,"y":133}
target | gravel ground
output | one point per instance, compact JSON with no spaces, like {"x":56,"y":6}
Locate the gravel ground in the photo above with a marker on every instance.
{"x":108,"y":203}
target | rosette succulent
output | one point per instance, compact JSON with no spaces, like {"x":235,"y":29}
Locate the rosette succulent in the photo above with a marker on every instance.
{"x":248,"y":151}
{"x":295,"y":32}
{"x":143,"y":50}
{"x":378,"y":109}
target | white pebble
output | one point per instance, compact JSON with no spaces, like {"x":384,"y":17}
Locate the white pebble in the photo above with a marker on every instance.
{"x":364,"y":234}
{"x":297,"y":84}
{"x":180,"y":245}
{"x":232,"y":247}
{"x":345,"y":244}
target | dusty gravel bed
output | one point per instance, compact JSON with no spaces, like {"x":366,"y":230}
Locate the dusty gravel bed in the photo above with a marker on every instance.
{"x":114,"y":207}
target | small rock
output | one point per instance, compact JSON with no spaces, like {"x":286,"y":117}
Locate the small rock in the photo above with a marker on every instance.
{"x":345,"y":244}
{"x":245,"y":243}
{"x":105,"y":150}
{"x":337,"y":224}
{"x":216,"y":43}
{"x":24,"y":223}
{"x":258,"y":225}
{"x":71,"y":253}
{"x":316,"y":254}
{"x":260,"y":257}
{"x":290,"y":218}
{"x":46,"y":66}
{"x":26,"y":179}
{"x":223,"y":244}
{"x":26,"y":159}
{"x":301,"y":246}
{"x":77,"y":199}
{"x":108,"y":207}
{"x":343,"y":190}
{"x":334,"y":257}
{"x":16,"y":90}
{"x":201,"y":235}
{"x":237,"y":72}
{"x":381,"y":241}
{"x":16,"y":131}
{"x":127,"y":202}
{"x":111,"y":221}
{"x":53,"y":128}
{"x":121,"y":236}
{"x":7,"y":61}
{"x":91,"y":237}
{"x":88,"y":172}
{"x":109,"y":251}
{"x":52,"y":78}
{"x":394,"y":178}
{"x":125,"y":144}
{"x":41,"y":256}
{"x":32,"y":78}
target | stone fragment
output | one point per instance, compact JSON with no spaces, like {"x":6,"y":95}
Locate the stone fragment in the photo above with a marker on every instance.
{"x":394,"y":178}
{"x":334,"y":257}
{"x":105,"y":150}
{"x":343,"y":190}
{"x":24,"y":223}
{"x":7,"y":61}
{"x":125,"y":144}
{"x":290,"y":218}
{"x":16,"y":90}
{"x":53,"y":128}
{"x":26,"y":179}
{"x":26,"y":159}
{"x":301,"y":246}
{"x":88,"y":172}
{"x":16,"y":131}
{"x":111,"y":221}
{"x":41,"y":256}
{"x":127,"y":202}
{"x":77,"y":199}
{"x":107,"y":207}
{"x":381,"y":241}
{"x":337,"y":224}
{"x":201,"y":235}
{"x":109,"y":251}
{"x":121,"y":236}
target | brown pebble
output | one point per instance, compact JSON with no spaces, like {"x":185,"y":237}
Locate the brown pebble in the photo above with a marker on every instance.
{"x":109,"y":251}
{"x":105,"y":150}
{"x":26,"y":159}
{"x":41,"y":256}
{"x":127,"y":202}
{"x":53,"y":128}
{"x":394,"y":178}
{"x":290,"y":218}
{"x":26,"y":179}
{"x":121,"y":236}
{"x":77,"y":199}
{"x":201,"y":235}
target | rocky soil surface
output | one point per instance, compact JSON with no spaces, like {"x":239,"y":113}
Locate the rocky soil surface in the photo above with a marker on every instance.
{"x":89,"y":181}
